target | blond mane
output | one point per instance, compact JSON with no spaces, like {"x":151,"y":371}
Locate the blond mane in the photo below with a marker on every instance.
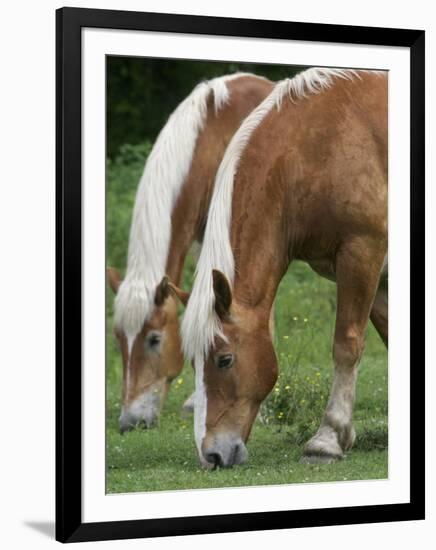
{"x":164,"y":174}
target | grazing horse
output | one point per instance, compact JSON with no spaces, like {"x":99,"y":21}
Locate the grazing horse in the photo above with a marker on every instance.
{"x":304,"y":177}
{"x":169,"y":214}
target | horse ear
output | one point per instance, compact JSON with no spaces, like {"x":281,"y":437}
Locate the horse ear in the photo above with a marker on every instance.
{"x":162,"y":291}
{"x":166,"y":287}
{"x":114,"y":279}
{"x":223,"y":294}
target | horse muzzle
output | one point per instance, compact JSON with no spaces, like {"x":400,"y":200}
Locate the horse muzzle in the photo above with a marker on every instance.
{"x":130,"y":421}
{"x":143,"y":412}
{"x":224,"y":452}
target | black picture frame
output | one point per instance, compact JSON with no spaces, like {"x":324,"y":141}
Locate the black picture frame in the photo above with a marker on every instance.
{"x":69,"y":22}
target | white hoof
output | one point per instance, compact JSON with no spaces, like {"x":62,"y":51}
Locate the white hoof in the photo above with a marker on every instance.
{"x":323,"y":448}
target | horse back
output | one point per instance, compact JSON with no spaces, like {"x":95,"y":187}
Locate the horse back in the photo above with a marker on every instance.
{"x":323,"y":159}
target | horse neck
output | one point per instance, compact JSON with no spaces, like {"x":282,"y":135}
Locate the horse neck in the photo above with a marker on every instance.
{"x":189,"y":215}
{"x":261,"y":251}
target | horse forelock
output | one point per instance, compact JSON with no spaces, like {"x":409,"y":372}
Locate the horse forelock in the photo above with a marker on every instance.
{"x":164,"y":174}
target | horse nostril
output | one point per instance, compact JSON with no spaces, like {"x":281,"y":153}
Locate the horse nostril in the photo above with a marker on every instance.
{"x":214,"y":458}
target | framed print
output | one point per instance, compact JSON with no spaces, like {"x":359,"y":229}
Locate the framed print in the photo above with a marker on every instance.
{"x":231,"y":195}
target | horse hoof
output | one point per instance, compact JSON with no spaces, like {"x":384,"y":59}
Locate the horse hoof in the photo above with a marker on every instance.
{"x":188,"y":405}
{"x":323,"y":448}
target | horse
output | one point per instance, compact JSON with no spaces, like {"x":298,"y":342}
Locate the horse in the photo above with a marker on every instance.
{"x":169,"y":214}
{"x":304,"y":177}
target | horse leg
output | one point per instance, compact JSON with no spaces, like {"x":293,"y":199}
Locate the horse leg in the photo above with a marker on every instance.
{"x":379,"y":313}
{"x":189,"y":404}
{"x":358,"y":267}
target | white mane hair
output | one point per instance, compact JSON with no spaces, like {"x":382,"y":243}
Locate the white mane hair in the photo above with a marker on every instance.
{"x":164,"y":174}
{"x":201,"y":325}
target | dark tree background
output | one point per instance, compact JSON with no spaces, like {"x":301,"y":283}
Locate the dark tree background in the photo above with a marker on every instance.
{"x":142,"y":92}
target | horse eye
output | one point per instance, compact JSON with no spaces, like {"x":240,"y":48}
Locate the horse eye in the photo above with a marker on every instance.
{"x":224,"y":361}
{"x":154,"y":339}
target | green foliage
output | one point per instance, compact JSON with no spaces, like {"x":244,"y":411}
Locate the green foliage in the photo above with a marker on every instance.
{"x":123,"y":175}
{"x":298,"y":400}
{"x":164,"y":459}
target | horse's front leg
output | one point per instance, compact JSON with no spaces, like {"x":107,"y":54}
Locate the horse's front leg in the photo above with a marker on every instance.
{"x":189,"y":404}
{"x":358,"y":269}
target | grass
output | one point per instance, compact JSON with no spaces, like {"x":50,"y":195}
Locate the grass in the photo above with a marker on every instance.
{"x":164,"y":458}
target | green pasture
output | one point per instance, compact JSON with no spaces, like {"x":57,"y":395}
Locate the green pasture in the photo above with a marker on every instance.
{"x":164,"y":458}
